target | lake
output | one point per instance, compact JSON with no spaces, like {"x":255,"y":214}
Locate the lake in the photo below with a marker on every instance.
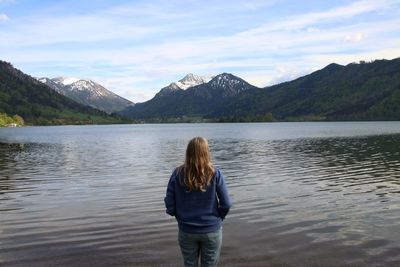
{"x":304,"y":194}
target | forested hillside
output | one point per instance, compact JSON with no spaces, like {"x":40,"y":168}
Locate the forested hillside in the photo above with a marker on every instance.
{"x":357,"y":91}
{"x":37,"y":104}
{"x":364,"y":91}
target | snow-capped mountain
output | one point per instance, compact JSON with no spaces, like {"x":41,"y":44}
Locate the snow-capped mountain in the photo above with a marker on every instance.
{"x":229,"y":85}
{"x":201,"y":99}
{"x":186,"y":82}
{"x":51,"y":83}
{"x":65,"y":80}
{"x":191,"y":80}
{"x":87,"y":92}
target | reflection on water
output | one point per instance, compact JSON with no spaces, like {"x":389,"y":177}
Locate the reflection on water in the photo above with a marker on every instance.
{"x":93,"y":196}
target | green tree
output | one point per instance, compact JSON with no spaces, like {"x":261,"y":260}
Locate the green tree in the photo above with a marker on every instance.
{"x":18,"y":120}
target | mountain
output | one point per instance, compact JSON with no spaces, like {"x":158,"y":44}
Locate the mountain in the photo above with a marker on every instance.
{"x":357,"y":91}
{"x":173,"y":87}
{"x":364,"y":91}
{"x":87,"y":93}
{"x":186,"y":82}
{"x":199,"y":100}
{"x":191,"y":80}
{"x":40,"y":105}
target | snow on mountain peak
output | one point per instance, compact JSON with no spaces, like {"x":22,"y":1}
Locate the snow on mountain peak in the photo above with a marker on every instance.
{"x":43,"y":79}
{"x":191,"y":77}
{"x":89,"y":86}
{"x":191,"y":80}
{"x":65,"y":80}
{"x":87,"y":92}
{"x":226,"y":80}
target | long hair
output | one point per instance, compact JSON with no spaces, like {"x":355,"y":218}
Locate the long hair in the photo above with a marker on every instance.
{"x":198,"y":170}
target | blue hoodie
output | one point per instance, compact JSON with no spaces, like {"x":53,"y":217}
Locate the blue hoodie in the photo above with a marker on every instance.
{"x":196,"y":211}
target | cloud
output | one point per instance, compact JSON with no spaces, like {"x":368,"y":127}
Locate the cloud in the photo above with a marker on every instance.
{"x":3,"y":17}
{"x":344,"y":59}
{"x":311,"y":21}
{"x":355,"y":38}
{"x":126,"y":86}
{"x":74,"y":29}
{"x":135,"y":50}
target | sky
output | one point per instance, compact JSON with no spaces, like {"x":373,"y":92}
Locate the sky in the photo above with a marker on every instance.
{"x":134,"y":48}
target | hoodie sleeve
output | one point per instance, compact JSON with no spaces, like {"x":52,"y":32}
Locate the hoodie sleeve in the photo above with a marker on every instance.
{"x":223,"y":197}
{"x":169,"y":199}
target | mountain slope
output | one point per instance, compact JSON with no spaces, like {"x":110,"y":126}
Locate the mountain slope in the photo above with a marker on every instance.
{"x":191,"y":80}
{"x":366,"y":91}
{"x":198,"y":100}
{"x":87,"y":93}
{"x":38,"y":104}
{"x":186,"y":82}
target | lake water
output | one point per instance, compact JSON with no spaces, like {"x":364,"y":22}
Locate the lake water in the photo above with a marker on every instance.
{"x":304,"y":194}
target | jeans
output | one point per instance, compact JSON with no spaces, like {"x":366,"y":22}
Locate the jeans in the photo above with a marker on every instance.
{"x":207,"y":247}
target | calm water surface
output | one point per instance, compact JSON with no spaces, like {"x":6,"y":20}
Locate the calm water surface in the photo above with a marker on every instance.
{"x":304,"y":194}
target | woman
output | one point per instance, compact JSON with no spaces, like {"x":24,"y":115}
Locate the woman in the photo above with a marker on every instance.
{"x":198,"y":198}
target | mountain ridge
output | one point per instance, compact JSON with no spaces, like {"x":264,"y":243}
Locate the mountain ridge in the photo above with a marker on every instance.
{"x":38,"y":104}
{"x":87,"y":92}
{"x":356,"y":91}
{"x":188,"y":81}
{"x":193,"y":101}
{"x":352,"y":92}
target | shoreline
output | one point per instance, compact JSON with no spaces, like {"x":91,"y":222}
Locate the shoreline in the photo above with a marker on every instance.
{"x":203,"y":122}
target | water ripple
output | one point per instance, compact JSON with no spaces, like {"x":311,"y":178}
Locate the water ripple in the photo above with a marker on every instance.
{"x":71,"y":200}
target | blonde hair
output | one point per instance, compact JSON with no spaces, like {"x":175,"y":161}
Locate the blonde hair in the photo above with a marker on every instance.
{"x":198,"y":170}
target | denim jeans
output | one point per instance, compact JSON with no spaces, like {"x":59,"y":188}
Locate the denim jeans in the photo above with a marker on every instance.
{"x":207,"y":247}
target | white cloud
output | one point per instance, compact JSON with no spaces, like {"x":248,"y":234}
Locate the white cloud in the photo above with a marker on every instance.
{"x":355,"y":38}
{"x":311,"y":21}
{"x":153,"y":11}
{"x":312,"y":29}
{"x":264,"y":55}
{"x":344,"y":59}
{"x":126,"y":86}
{"x":3,"y":17}
{"x":255,"y":4}
{"x":74,"y":29}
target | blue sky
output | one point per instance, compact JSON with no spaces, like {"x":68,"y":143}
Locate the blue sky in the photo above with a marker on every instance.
{"x":134,"y":48}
